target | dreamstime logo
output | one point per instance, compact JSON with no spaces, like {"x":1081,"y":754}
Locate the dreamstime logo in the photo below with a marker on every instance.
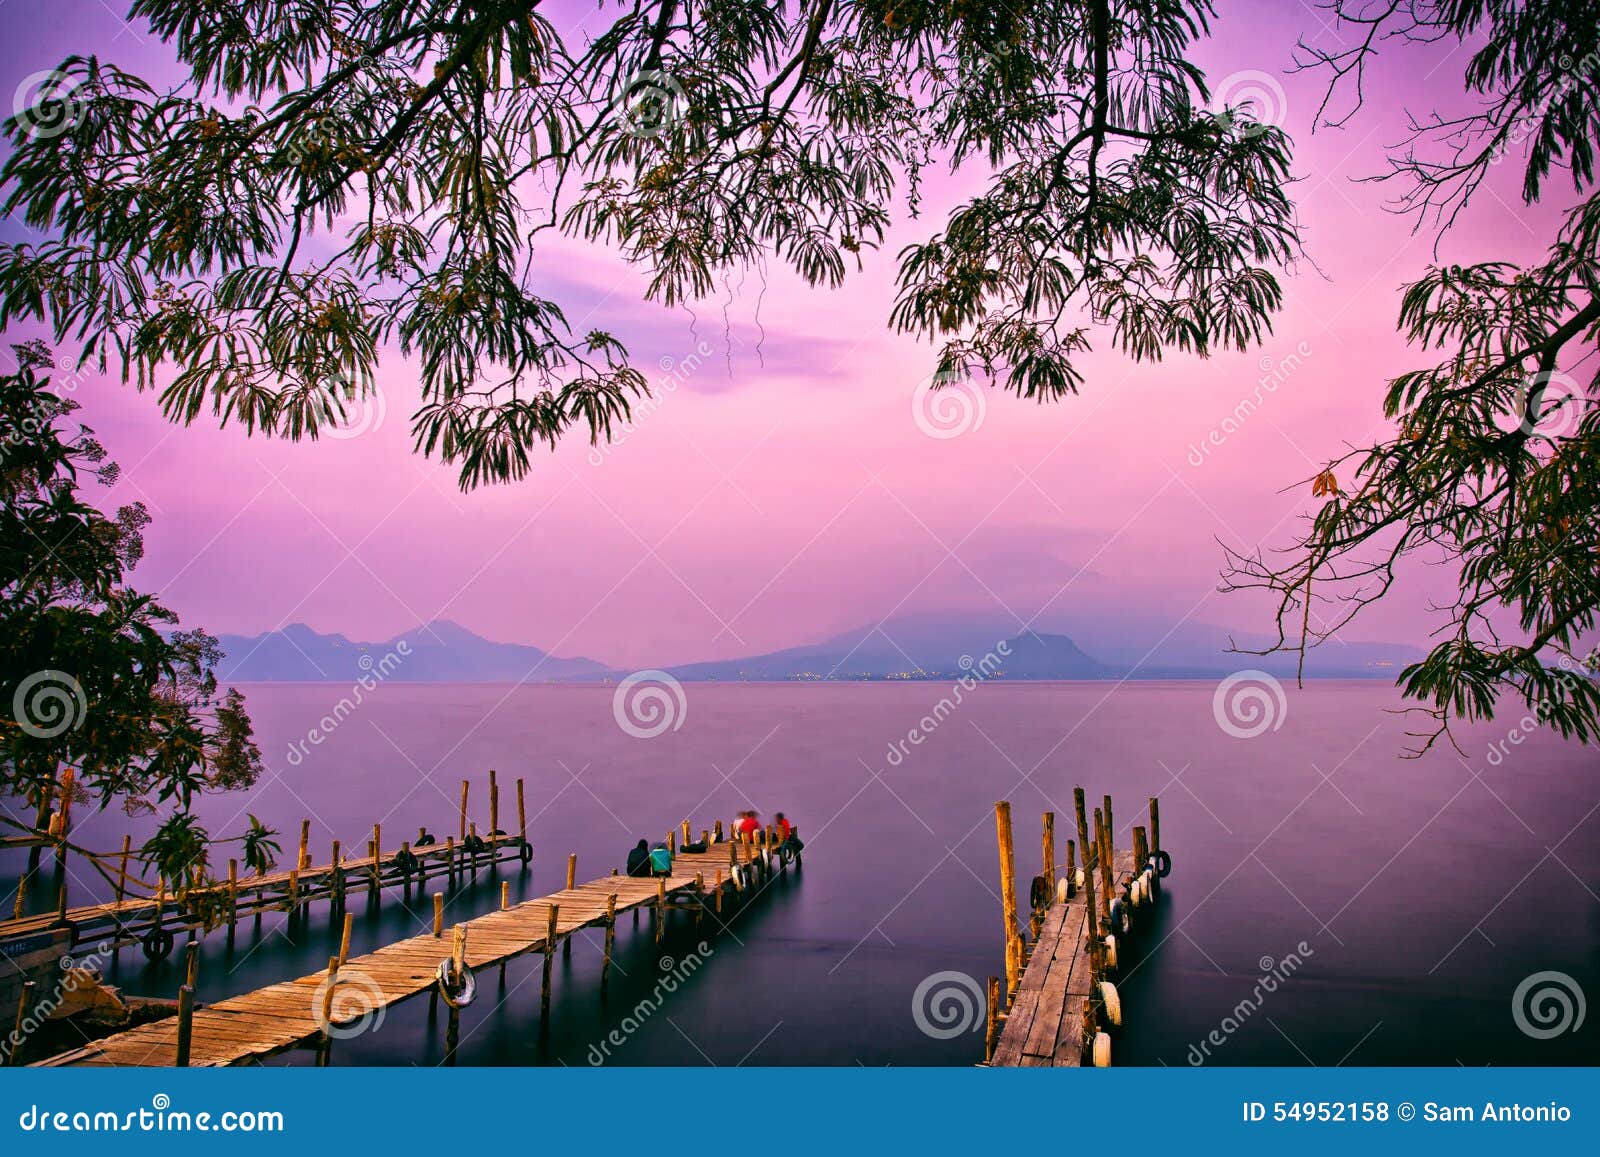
{"x":48,"y":703}
{"x":650,"y":104}
{"x":1248,"y":703}
{"x":1274,"y":975}
{"x":1249,"y":103}
{"x":674,"y":372}
{"x":675,"y":973}
{"x":649,"y":703}
{"x":948,"y":405}
{"x":975,"y":674}
{"x":348,"y":1004}
{"x":947,"y":1004}
{"x":356,"y":410}
{"x":373,"y":672}
{"x":1549,"y":405}
{"x":1274,"y":373}
{"x":1547,"y":1004}
{"x":48,"y":103}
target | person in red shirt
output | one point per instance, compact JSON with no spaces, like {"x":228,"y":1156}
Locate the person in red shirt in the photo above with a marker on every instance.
{"x":783,"y":826}
{"x":748,"y":824}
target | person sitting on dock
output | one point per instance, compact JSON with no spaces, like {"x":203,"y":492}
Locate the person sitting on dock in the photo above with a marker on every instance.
{"x":661,"y":860}
{"x":783,"y":827}
{"x":639,"y":859}
{"x":749,"y":823}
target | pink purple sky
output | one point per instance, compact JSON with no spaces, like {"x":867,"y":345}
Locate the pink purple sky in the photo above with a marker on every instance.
{"x":779,"y":496}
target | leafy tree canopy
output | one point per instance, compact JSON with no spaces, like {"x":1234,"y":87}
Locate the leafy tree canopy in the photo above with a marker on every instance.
{"x":328,"y":178}
{"x":1490,"y":467}
{"x":92,"y":678}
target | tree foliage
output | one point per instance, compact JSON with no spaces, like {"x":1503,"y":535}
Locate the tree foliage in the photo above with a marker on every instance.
{"x":92,"y":676}
{"x":1490,"y":467}
{"x":329,"y":179}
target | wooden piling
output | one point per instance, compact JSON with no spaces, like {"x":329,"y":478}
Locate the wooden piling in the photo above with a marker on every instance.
{"x":661,"y":906}
{"x":466,"y":788}
{"x":494,"y":803}
{"x":716,"y":831}
{"x":1048,"y":839}
{"x":1111,"y":827}
{"x":686,"y":838}
{"x":991,"y":1035}
{"x":438,"y":915}
{"x":122,"y":869}
{"x":1083,"y":829}
{"x":377,"y":858}
{"x":191,"y":962}
{"x":344,"y":938}
{"x":18,"y":1037}
{"x":1155,"y":825}
{"x":233,"y":893}
{"x":549,"y":964}
{"x":325,"y":1044}
{"x":185,"y":1025}
{"x":1072,"y":869}
{"x":1141,"y":849}
{"x":522,"y":813}
{"x":572,"y":871}
{"x":611,"y":939}
{"x":450,"y":858}
{"x":1008,"y":894}
{"x":303,"y":861}
{"x":335,"y":877}
{"x":1102,"y":859}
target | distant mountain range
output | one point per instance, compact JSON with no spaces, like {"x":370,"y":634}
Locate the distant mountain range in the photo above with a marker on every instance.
{"x":904,"y":647}
{"x":437,"y":652}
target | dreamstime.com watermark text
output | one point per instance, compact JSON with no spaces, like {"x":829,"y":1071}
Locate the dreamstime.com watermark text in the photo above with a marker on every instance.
{"x":159,"y":1117}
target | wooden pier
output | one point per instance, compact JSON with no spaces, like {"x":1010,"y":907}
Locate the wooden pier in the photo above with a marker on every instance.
{"x":311,"y":1011}
{"x":153,"y":919}
{"x":1059,"y":1005}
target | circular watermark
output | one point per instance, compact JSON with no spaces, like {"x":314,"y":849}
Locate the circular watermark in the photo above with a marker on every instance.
{"x":1249,"y":703}
{"x":1547,"y":1004}
{"x":357,"y":409}
{"x":48,"y":103}
{"x":356,"y":1005}
{"x":1248,"y":103}
{"x":1549,"y":405}
{"x":649,"y":703}
{"x":49,"y":703}
{"x":948,"y":405}
{"x":947,"y":1004}
{"x":650,"y":104}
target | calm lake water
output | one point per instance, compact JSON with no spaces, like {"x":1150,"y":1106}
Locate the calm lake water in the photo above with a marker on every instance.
{"x":1423,"y":891}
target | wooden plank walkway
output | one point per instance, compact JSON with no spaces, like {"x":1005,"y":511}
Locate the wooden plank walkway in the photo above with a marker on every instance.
{"x":1046,"y":1024}
{"x":126,"y":921}
{"x":257,"y":1024}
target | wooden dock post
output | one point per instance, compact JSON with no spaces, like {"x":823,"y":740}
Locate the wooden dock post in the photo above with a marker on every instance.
{"x":325,"y":1045}
{"x":377,"y":858}
{"x":1008,"y":895}
{"x":719,"y":890}
{"x":716,"y":831}
{"x":991,"y":1034}
{"x":494,"y":804}
{"x":1155,"y":825}
{"x":185,"y":1025}
{"x":438,"y":915}
{"x":661,"y":906}
{"x":1072,"y":869}
{"x":505,"y":894}
{"x":1102,"y":859}
{"x":572,"y":882}
{"x":1083,"y":829}
{"x":18,"y":1037}
{"x":122,"y":869}
{"x":611,"y":939}
{"x":522,"y":813}
{"x":450,"y":858}
{"x":344,"y":938}
{"x":1111,"y":828}
{"x":466,"y":787}
{"x":1049,"y":841}
{"x":686,"y":838}
{"x":303,"y":861}
{"x":233,"y":892}
{"x":335,"y":877}
{"x":549,"y":964}
{"x":191,"y":961}
{"x":1141,"y":849}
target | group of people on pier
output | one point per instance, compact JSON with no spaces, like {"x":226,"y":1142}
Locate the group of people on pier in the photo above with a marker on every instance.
{"x":646,"y":859}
